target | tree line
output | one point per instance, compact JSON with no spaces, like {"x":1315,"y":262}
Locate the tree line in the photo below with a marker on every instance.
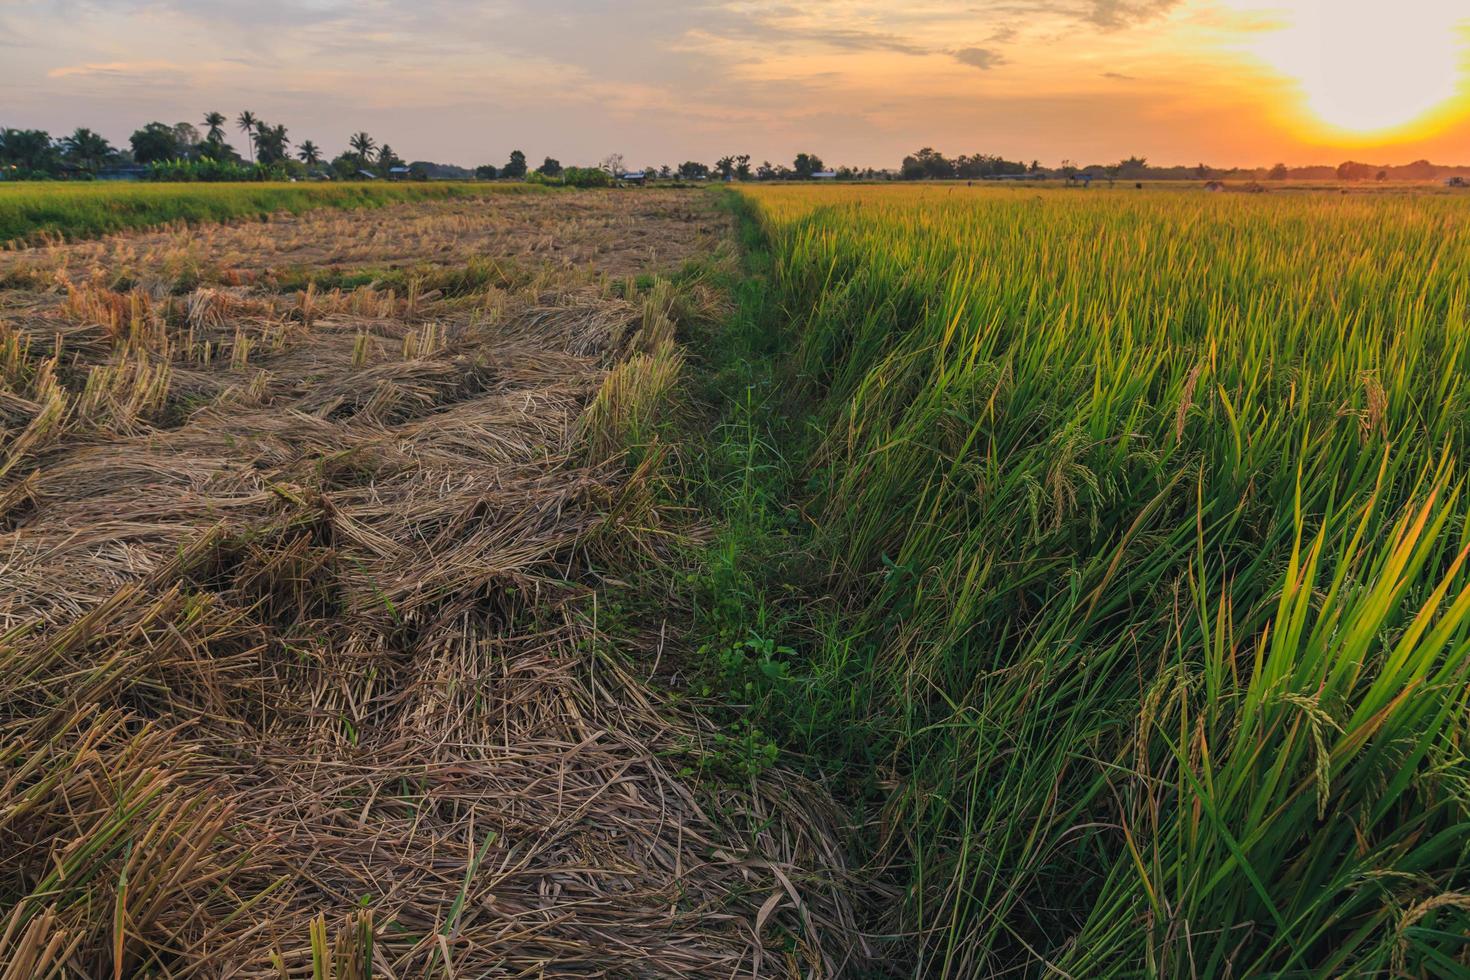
{"x":929,"y":164}
{"x":184,"y":151}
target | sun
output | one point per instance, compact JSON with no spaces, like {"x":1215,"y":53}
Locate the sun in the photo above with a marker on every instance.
{"x":1370,"y":69}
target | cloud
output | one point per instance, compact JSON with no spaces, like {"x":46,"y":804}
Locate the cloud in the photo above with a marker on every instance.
{"x":861,"y":41}
{"x":1115,"y":14}
{"x":981,"y":58}
{"x":1110,"y":15}
{"x":786,"y":29}
{"x":1119,"y":76}
{"x":113,"y":69}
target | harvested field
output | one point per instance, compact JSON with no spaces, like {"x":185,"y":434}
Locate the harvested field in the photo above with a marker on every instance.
{"x":301,"y":665}
{"x":606,"y":231}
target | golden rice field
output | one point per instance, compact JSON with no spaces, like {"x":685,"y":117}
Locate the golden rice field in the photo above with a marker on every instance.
{"x":1138,"y":619}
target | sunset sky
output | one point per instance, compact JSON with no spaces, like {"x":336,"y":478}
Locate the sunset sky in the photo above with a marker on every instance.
{"x":857,"y":81}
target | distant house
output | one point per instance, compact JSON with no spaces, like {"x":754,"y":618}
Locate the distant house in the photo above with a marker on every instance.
{"x":635,"y":177}
{"x":824,"y":175}
{"x":366,"y":175}
{"x":129,"y":172}
{"x":399,"y":173}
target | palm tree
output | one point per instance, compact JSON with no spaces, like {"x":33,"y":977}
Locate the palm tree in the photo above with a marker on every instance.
{"x":87,"y":149}
{"x":270,"y":143}
{"x":215,"y":123}
{"x":30,"y":149}
{"x":247,"y":123}
{"x":362,"y":144}
{"x":309,"y":152}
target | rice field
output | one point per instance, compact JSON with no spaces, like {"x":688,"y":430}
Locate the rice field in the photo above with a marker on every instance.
{"x":34,"y":212}
{"x":1135,"y":616}
{"x":802,"y":581}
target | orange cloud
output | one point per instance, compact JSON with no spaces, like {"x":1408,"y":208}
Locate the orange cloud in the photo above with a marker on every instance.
{"x":104,"y":69}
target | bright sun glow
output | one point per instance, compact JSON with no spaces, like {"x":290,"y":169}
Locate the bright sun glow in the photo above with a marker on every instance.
{"x":1370,"y":68}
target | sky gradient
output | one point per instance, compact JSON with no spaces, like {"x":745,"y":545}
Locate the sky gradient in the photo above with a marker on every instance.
{"x":858,"y":82}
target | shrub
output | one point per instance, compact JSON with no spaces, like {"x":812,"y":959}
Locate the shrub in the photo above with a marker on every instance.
{"x":586,"y":177}
{"x":212,"y":171}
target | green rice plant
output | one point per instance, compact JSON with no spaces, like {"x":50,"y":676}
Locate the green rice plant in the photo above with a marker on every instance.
{"x":1137,"y":540}
{"x":348,"y":956}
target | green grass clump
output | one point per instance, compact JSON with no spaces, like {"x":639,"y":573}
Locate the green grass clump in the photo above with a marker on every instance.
{"x":1134,"y":602}
{"x":29,"y":211}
